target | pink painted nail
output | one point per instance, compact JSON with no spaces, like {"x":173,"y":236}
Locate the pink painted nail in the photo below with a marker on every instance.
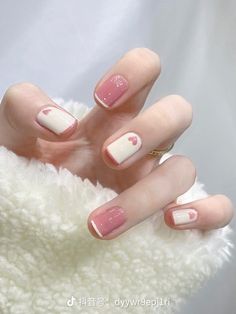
{"x":106,"y":222}
{"x":111,"y":90}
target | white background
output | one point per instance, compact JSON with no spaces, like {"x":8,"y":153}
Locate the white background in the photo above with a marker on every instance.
{"x":66,"y":46}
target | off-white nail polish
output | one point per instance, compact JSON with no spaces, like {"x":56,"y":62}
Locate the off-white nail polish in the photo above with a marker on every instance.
{"x":54,"y":119}
{"x":184,"y":216}
{"x":124,"y":147}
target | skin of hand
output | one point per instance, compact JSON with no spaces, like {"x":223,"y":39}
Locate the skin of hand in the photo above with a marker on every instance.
{"x":111,"y":145}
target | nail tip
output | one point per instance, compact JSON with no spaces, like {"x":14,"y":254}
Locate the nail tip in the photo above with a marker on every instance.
{"x":96,"y":229}
{"x":100,"y":101}
{"x":111,"y":157}
{"x":69,"y":129}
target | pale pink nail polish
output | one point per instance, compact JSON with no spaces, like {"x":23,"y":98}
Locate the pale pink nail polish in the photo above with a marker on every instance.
{"x":111,"y":90}
{"x":109,"y":220}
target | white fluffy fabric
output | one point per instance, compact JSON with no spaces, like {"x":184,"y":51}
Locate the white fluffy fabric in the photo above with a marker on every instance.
{"x":50,"y":263}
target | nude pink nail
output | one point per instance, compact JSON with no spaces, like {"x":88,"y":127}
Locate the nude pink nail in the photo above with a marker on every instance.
{"x":111,"y":90}
{"x":109,"y":220}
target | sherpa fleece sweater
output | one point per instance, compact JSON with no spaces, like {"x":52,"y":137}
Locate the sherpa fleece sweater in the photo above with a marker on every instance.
{"x":51,"y":264}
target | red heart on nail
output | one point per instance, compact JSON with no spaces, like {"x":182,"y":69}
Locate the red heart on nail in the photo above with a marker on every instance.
{"x":46,"y":111}
{"x":191,"y":215}
{"x":133,"y":139}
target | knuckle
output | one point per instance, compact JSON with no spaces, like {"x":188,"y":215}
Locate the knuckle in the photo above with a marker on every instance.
{"x":182,"y":109}
{"x":186,"y":167}
{"x":12,"y":99}
{"x":27,"y":86}
{"x":180,"y":173}
{"x":227,"y":207}
{"x":10,"y":92}
{"x":222,"y":218}
{"x":148,"y":59}
{"x":15,"y":90}
{"x":145,"y":53}
{"x":223,"y":199}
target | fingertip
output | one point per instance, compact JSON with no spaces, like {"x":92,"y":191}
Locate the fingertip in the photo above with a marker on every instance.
{"x":108,"y":159}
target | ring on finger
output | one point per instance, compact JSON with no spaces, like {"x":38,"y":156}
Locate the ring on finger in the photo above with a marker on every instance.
{"x":160,"y":152}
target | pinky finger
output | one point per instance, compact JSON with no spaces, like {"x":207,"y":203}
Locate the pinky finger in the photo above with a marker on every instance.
{"x":210,"y":213}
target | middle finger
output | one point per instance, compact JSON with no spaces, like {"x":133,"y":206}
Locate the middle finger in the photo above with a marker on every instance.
{"x":157,"y":127}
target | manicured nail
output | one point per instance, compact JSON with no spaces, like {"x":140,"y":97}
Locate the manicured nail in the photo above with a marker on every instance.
{"x":56,"y":120}
{"x":106,"y":222}
{"x":123,"y":147}
{"x":184,"y":216}
{"x":111,"y":90}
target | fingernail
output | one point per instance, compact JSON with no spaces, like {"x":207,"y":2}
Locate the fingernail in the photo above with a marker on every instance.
{"x":106,"y":222}
{"x":124,"y":147}
{"x":56,"y":120}
{"x":111,"y":90}
{"x":184,"y":216}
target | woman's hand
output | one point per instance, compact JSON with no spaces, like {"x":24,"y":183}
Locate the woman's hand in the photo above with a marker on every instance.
{"x":111,"y":145}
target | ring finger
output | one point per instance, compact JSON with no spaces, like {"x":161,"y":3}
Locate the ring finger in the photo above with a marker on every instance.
{"x":163,"y":185}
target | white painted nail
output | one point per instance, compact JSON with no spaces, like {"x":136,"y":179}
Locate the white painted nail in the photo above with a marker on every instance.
{"x":54,"y":119}
{"x":124,"y":147}
{"x":184,"y":216}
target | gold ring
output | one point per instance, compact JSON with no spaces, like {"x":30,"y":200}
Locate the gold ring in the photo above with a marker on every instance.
{"x":160,"y":152}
